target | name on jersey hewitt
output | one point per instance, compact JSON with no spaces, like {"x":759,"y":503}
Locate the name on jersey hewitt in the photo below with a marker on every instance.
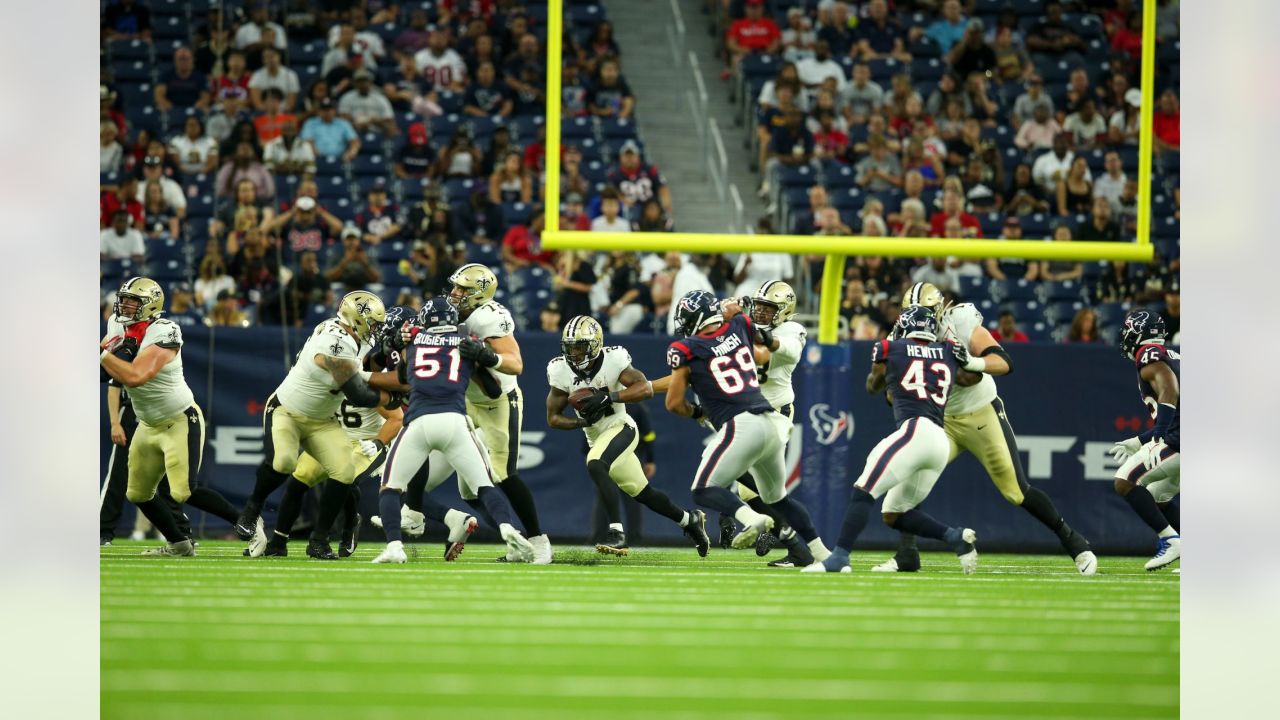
{"x":925,"y":351}
{"x":727,"y":345}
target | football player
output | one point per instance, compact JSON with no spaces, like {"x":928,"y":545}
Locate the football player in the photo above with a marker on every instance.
{"x":976,"y":422}
{"x":903,"y":467}
{"x":585,"y":363}
{"x":498,"y":420}
{"x":302,"y":414}
{"x":1149,"y":476}
{"x":170,"y":436}
{"x":717,"y":361}
{"x":436,"y":375}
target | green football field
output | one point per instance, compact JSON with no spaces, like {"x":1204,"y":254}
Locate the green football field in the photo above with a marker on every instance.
{"x":660,"y":634}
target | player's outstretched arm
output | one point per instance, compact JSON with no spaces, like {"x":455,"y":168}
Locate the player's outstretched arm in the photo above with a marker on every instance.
{"x":508,"y":351}
{"x":636,"y":387}
{"x":557,"y":401}
{"x":984,"y":347}
{"x":661,"y":384}
{"x":876,"y":379}
{"x":676,"y":402}
{"x":389,"y":381}
{"x":144,"y":367}
{"x":346,"y":375}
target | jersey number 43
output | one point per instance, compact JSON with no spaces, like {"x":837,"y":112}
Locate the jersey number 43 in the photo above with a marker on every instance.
{"x":913,"y":380}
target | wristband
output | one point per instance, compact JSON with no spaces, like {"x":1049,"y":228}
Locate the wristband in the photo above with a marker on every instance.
{"x":379,"y":444}
{"x":366,"y":374}
{"x":615,"y":397}
{"x":499,"y":363}
{"x":976,"y":365}
{"x":104,"y":355}
{"x":1164,"y":416}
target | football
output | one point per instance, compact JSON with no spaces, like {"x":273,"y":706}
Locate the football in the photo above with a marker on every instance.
{"x":580,"y":396}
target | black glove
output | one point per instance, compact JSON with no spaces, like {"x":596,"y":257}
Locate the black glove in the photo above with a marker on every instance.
{"x":397,"y":400}
{"x":394,"y":340}
{"x":598,"y":402}
{"x":126,"y":350}
{"x":698,"y":412}
{"x":593,"y":416}
{"x":764,"y":336}
{"x":478,"y":351}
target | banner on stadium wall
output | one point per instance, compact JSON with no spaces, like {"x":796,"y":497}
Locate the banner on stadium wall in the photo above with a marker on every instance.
{"x":1068,"y":404}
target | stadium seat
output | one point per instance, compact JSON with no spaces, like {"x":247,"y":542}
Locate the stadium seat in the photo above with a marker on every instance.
{"x":1129,"y":159}
{"x":847,"y":198}
{"x":992,"y":224}
{"x":586,"y":15}
{"x":799,"y":176}
{"x":577,"y":128}
{"x":1037,"y":332}
{"x":614,"y":128}
{"x":167,"y":271}
{"x":1036,"y":226}
{"x":524,"y":128}
{"x":883,"y":70}
{"x":759,"y":66}
{"x":329,"y":165}
{"x":368,"y":166}
{"x":925,"y":47}
{"x":1016,"y":290}
{"x":171,"y":27}
{"x":927,"y":70}
{"x":442,"y":128}
{"x":170,"y":249}
{"x":1059,"y":291}
{"x":1025,"y":8}
{"x":311,"y":53}
{"x":517,"y":213}
{"x":129,"y":50}
{"x":131,"y":71}
{"x":450,"y":102}
{"x":1025,"y":311}
{"x":333,"y":187}
{"x":1063,"y":311}
{"x":974,"y":288}
{"x":167,"y":8}
{"x":1168,"y":227}
{"x":839,"y":177}
{"x":200,"y":206}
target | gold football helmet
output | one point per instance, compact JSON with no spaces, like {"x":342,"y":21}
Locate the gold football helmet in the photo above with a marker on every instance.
{"x":363,"y":312}
{"x":581,"y":342}
{"x":471,"y":286}
{"x":147,"y":293}
{"x":923,"y":293}
{"x":777,"y":296}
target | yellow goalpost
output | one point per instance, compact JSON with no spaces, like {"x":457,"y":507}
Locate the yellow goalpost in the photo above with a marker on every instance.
{"x":836,"y":248}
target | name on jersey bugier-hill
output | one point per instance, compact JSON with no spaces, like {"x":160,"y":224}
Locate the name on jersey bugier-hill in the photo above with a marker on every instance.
{"x":927,"y":352}
{"x":425,"y":338}
{"x":727,"y":345}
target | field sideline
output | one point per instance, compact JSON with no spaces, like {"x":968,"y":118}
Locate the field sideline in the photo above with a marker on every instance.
{"x":661,"y":634}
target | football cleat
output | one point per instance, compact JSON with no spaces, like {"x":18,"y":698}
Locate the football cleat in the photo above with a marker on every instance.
{"x":105,"y":539}
{"x":696,"y":531}
{"x":392,"y":553}
{"x":320,"y":550}
{"x":245,"y":524}
{"x":412,"y":522}
{"x":350,"y":539}
{"x":766,"y":542}
{"x":1170,"y":550}
{"x":615,"y":543}
{"x":519,"y":546}
{"x":258,"y":542}
{"x":182,"y":548}
{"x":727,"y":529}
{"x":458,"y":535}
{"x":782,"y":562}
{"x":1087,"y":563}
{"x":749,"y":534}
{"x":277,"y":546}
{"x":831,"y":564}
{"x":962,"y":542}
{"x":541,"y":550}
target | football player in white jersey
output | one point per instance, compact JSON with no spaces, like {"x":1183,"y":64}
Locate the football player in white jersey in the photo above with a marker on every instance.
{"x":302,"y":413}
{"x":586,"y":364}
{"x":170,"y":435}
{"x":498,"y":420}
{"x":976,"y":422}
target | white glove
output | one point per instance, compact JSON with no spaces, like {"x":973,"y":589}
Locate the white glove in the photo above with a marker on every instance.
{"x":966,"y":361}
{"x":1151,"y":454}
{"x":1122,"y":450}
{"x":371,"y":448}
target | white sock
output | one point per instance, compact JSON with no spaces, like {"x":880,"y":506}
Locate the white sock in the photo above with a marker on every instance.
{"x":615,"y":526}
{"x":412,"y":515}
{"x":746,"y":515}
{"x":684,"y":521}
{"x":505,"y":529}
{"x":1167,"y":532}
{"x":453,"y":517}
{"x":820,"y":551}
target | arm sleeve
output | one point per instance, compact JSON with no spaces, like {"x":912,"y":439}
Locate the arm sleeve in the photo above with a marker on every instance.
{"x":880,"y":352}
{"x":359,"y":393}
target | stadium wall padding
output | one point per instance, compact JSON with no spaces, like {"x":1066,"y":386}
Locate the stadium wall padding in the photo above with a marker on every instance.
{"x":1067,"y":403}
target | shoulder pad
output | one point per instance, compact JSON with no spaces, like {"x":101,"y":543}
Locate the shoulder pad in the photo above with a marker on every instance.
{"x":1150,"y":354}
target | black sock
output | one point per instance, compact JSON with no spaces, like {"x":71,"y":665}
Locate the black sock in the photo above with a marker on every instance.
{"x":798,"y":550}
{"x":1139,"y":498}
{"x":180,"y":517}
{"x":748,"y":482}
{"x":212,"y":502}
{"x":479,"y":508}
{"x":907,"y":543}
{"x":496,"y":506}
{"x":919,"y":522}
{"x":1036,"y":502}
{"x":522,"y":502}
{"x":163,"y":520}
{"x":657,"y":501}
{"x":855,"y":518}
{"x":760,"y":506}
{"x":267,"y":482}
{"x":290,"y":506}
{"x":797,"y":517}
{"x":414,"y":493}
{"x":333,"y":495}
{"x":1172,"y":512}
{"x":389,"y":509}
{"x":431,"y":509}
{"x":351,"y":508}
{"x":607,"y":489}
{"x":719,"y":499}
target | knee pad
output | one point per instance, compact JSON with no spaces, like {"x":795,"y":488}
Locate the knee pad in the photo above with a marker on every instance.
{"x":179,"y":496}
{"x":284,"y":465}
{"x":1013,"y":495}
{"x":137,"y":498}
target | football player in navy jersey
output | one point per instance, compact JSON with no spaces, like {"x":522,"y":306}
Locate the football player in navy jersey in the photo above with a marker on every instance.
{"x":435,"y":374}
{"x":1149,"y":477}
{"x":903,"y":467}
{"x":717,"y":361}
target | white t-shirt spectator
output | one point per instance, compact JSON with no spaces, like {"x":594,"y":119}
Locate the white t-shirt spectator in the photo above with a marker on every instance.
{"x":251,"y":32}
{"x":763,"y":268}
{"x":122,"y":247}
{"x":444,"y":70}
{"x":285,"y":80}
{"x":1049,"y":169}
{"x":602,"y":224}
{"x":173,"y":195}
{"x":813,"y":72}
{"x":1110,"y":188}
{"x":1086,"y":134}
{"x":363,"y":108}
{"x":338,"y":56}
{"x":192,"y":154}
{"x":110,"y":158}
{"x":945,"y":279}
{"x":275,"y":153}
{"x":1120,"y":122}
{"x":207,"y":290}
{"x":363,"y":39}
{"x":688,"y":278}
{"x":651,"y":264}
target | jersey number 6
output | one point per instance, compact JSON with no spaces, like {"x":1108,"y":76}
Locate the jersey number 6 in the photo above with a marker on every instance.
{"x":426,"y":365}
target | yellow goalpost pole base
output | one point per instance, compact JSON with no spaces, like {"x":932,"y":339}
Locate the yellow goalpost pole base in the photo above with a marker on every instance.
{"x":829,"y":301}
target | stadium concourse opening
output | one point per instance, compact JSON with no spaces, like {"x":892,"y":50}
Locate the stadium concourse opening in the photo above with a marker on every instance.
{"x":836,"y":249}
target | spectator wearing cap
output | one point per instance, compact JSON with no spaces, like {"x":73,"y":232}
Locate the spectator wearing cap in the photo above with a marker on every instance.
{"x":415,"y":156}
{"x":379,"y":220}
{"x":610,"y":218}
{"x":1087,"y":129}
{"x":288,"y":154}
{"x":549,"y":317}
{"x":949,"y":29}
{"x":440,"y":64}
{"x":753,"y":33}
{"x":303,"y":228}
{"x":953,"y":209}
{"x":330,"y":135}
{"x":972,"y":53}
{"x":1004,"y":268}
{"x":1061,"y":270}
{"x":244,"y":165}
{"x":575,"y":213}
{"x":274,"y":76}
{"x":1125,"y":122}
{"x":366,"y":107}
{"x":1007,"y":330}
{"x":1024,"y":108}
{"x":126,"y":20}
{"x":413,"y":38}
{"x":1167,"y":134}
{"x":353,"y":269}
{"x":881,"y":36}
{"x":270,"y":123}
{"x":1038,"y":132}
{"x":183,"y":309}
{"x":609,"y":94}
{"x":1053,"y":166}
{"x":226,"y":312}
{"x":1051,"y":37}
{"x":639,"y":182}
{"x":121,"y":242}
{"x":1110,"y":184}
{"x":249,"y":34}
{"x":487,"y":97}
{"x":183,"y":86}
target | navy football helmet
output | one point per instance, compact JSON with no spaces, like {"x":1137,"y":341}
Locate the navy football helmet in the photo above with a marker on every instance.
{"x":437,"y":312}
{"x":695,"y":309}
{"x":918,"y":322}
{"x":1141,"y":327}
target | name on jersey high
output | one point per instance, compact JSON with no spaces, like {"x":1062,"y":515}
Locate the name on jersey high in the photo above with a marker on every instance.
{"x":926,"y":352}
{"x":727,"y":344}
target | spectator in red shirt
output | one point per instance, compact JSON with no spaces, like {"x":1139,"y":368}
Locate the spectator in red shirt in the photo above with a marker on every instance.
{"x":1008,"y":331}
{"x":753,"y":33}
{"x":1168,"y":134}
{"x":521,"y":245}
{"x":953,"y":207}
{"x":1128,"y":39}
{"x":234,"y":82}
{"x":125,"y":197}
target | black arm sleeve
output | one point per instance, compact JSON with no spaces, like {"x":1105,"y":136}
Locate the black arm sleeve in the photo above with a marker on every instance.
{"x":999,"y":351}
{"x":487,"y":382}
{"x":359,"y":394}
